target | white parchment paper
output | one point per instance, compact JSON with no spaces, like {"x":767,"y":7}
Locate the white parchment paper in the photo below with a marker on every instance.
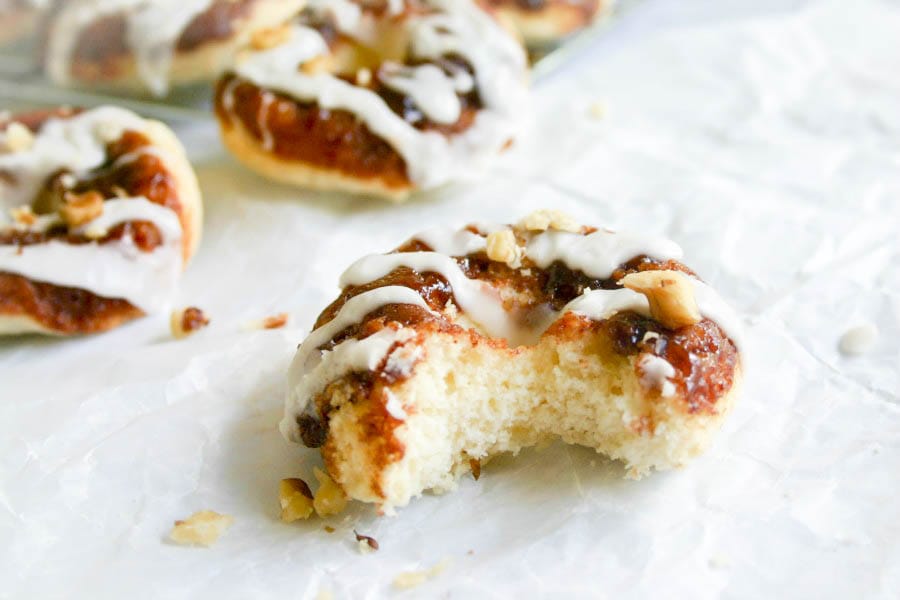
{"x":765,"y":140}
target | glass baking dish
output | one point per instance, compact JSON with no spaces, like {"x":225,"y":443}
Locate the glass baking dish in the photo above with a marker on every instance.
{"x":23,"y":85}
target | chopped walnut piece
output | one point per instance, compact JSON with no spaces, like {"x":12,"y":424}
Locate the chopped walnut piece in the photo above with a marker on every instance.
{"x":670,"y":294}
{"x":78,"y":209}
{"x":275,"y":321}
{"x":366,"y":543}
{"x":315,"y":65}
{"x":18,"y":137}
{"x":363,"y":77}
{"x":202,"y":528}
{"x":23,"y":215}
{"x":475,"y":465}
{"x":296,"y":500}
{"x":411,"y":579}
{"x":502,"y":247}
{"x":330,"y":499}
{"x":541,"y":220}
{"x":186,"y":321}
{"x":270,"y":37}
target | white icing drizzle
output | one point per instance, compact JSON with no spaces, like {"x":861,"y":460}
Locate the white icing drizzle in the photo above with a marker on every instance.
{"x":113,"y":270}
{"x":430,"y":88}
{"x":656,"y":373}
{"x":597,"y":254}
{"x":478,"y":299}
{"x":153,"y":28}
{"x":452,"y":241}
{"x":312,"y":369}
{"x":76,"y":144}
{"x":457,"y":27}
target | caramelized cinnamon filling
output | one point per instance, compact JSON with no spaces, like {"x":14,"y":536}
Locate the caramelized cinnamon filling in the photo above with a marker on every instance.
{"x":333,"y":139}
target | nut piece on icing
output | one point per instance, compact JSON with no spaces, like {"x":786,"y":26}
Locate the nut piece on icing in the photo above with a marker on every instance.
{"x":315,"y":65}
{"x":202,"y":528}
{"x":186,"y":321}
{"x":670,"y":294}
{"x":18,"y":137}
{"x":23,"y":215}
{"x":330,"y":498}
{"x":296,"y":500}
{"x":541,"y":220}
{"x":270,"y":37}
{"x":502,"y":247}
{"x":78,"y":209}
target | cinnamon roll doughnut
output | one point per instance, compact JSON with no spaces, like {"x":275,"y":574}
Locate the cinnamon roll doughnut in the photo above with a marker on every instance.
{"x":544,"y":23}
{"x":153,"y":44}
{"x":377,"y":98}
{"x":99,"y":212}
{"x":460,"y":345}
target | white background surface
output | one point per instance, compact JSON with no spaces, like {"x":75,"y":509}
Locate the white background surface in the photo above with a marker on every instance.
{"x":762,"y":136}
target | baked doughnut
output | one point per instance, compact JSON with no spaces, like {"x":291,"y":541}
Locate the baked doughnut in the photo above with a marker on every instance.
{"x":152,"y":44}
{"x":19,"y":18}
{"x":463,"y":344}
{"x":99,"y":211}
{"x":544,"y":23}
{"x":375,"y":98}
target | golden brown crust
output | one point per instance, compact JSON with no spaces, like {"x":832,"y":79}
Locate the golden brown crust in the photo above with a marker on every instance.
{"x":164,"y":178}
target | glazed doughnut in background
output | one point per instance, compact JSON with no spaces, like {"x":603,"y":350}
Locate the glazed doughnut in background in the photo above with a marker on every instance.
{"x":462,"y":344}
{"x":100,"y":212}
{"x":376,"y":98}
{"x":151,"y":45}
{"x":545,"y":23}
{"x":19,"y":18}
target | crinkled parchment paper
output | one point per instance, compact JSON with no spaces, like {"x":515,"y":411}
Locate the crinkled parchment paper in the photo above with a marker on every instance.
{"x":767,"y":143}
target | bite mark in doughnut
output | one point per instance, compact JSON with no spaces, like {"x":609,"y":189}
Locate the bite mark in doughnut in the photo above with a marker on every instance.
{"x":137,"y":45}
{"x":99,"y":211}
{"x":377,"y":99}
{"x":436,"y":356}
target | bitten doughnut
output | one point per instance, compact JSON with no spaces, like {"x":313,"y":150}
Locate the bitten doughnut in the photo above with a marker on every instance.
{"x":375,"y":98}
{"x":544,"y":23}
{"x":19,"y":18}
{"x":460,"y":345}
{"x":152,"y":44}
{"x":99,"y":212}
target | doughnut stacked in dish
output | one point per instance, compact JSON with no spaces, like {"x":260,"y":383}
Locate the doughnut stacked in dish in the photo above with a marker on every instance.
{"x":543,"y":23}
{"x":462,"y":344}
{"x":99,"y":212}
{"x":152,"y":44}
{"x":381,"y":98}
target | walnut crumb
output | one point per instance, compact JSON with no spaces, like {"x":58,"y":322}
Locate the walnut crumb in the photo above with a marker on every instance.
{"x":18,"y":137}
{"x":186,"y":321}
{"x":670,"y":294}
{"x":502,"y":247}
{"x":475,"y":465}
{"x":330,"y":498}
{"x":275,"y":321}
{"x":78,"y":209}
{"x":202,"y":528}
{"x":315,"y":65}
{"x":363,"y":77}
{"x":541,"y":220}
{"x":366,"y":543}
{"x":23,"y":215}
{"x":270,"y":37}
{"x":296,"y":500}
{"x":411,"y":579}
